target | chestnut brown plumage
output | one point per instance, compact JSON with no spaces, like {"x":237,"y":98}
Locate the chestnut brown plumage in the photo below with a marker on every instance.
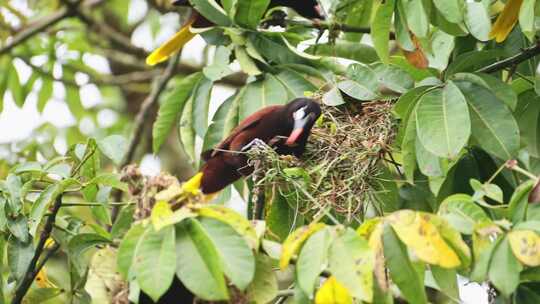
{"x":285,"y":127}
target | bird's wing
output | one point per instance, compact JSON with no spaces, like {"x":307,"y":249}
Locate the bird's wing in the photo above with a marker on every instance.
{"x":248,"y":123}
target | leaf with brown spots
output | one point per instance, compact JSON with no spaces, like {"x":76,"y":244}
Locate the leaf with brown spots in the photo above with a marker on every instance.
{"x":419,"y":233}
{"x":525,"y":245}
{"x":294,"y":242}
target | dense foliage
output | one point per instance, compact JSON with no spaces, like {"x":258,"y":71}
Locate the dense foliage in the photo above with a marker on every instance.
{"x":456,"y":191}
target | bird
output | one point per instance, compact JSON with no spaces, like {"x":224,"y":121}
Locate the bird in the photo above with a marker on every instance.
{"x":307,"y":8}
{"x":286,"y":128}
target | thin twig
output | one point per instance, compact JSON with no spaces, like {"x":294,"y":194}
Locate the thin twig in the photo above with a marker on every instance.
{"x":36,"y":28}
{"x":32,"y":270}
{"x":525,"y":54}
{"x":322,"y":25}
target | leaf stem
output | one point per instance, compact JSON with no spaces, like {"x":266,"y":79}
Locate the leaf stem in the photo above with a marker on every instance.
{"x":525,"y":54}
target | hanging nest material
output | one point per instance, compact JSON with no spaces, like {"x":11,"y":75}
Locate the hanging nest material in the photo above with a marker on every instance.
{"x":341,"y":169}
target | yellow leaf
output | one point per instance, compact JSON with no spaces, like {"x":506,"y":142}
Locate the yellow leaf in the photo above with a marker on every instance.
{"x":42,"y":280}
{"x":333,"y":292}
{"x":418,"y":232}
{"x":295,"y":240}
{"x":484,"y":233}
{"x":160,"y":213}
{"x":193,"y":185}
{"x":239,"y":223}
{"x":506,"y":20}
{"x":453,"y":239}
{"x":169,"y":194}
{"x":375,"y":243}
{"x":366,"y":229}
{"x":526,"y":246}
{"x":172,"y":45}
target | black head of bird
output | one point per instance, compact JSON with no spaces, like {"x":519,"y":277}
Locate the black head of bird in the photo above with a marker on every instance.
{"x":301,"y":115}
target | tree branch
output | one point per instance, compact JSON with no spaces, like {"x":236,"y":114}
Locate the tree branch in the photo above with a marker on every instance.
{"x":35,"y":28}
{"x":525,"y":54}
{"x":323,"y":25}
{"x":32,"y":270}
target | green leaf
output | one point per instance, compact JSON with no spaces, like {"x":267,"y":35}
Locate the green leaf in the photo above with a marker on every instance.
{"x":442,"y":121}
{"x":15,"y":87}
{"x":311,"y":260}
{"x":45,"y":93}
{"x":198,"y":265}
{"x":519,"y":202}
{"x":527,"y":18}
{"x":477,"y":20}
{"x":224,"y":121}
{"x":237,"y":260}
{"x":408,"y":149}
{"x":493,"y":125}
{"x":78,"y":244}
{"x":527,"y":114}
{"x":504,"y":269}
{"x":428,"y":163}
{"x":273,"y":49}
{"x":109,"y":179}
{"x":350,"y":50}
{"x":18,"y":226}
{"x":18,"y":257}
{"x":462,"y":213}
{"x":114,"y":147}
{"x":443,"y":44}
{"x":170,"y":109}
{"x":45,"y":199}
{"x":246,"y":63}
{"x":73,"y":100}
{"x":447,"y":281}
{"x":452,"y":10}
{"x":502,"y":90}
{"x":406,"y":102}
{"x":211,"y":11}
{"x":187,"y":133}
{"x":352,"y":261}
{"x":201,"y":104}
{"x":417,"y":18}
{"x":295,"y":84}
{"x":126,"y":250}
{"x":380,"y":29}
{"x":264,"y":287}
{"x":260,"y":94}
{"x":42,"y":295}
{"x":333,"y":97}
{"x":250,"y":12}
{"x":362,"y":83}
{"x":155,"y":261}
{"x":401,"y":269}
{"x":393,"y":78}
{"x":474,"y":60}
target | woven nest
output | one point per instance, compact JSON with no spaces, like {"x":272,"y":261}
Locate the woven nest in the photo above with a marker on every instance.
{"x":341,"y":171}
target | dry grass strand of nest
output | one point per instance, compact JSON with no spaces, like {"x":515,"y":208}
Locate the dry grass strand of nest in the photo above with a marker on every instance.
{"x":342,"y":161}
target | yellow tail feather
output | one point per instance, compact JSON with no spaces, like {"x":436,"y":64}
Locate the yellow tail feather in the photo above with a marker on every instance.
{"x":193,"y":185}
{"x":172,"y":45}
{"x":506,"y":20}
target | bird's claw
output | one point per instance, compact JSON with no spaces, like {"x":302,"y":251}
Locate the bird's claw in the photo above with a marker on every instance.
{"x":254,"y":143}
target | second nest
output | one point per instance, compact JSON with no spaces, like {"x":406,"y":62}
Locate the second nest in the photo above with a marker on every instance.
{"x":341,"y":173}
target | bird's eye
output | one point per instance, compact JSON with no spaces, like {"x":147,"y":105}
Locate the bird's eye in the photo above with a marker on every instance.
{"x":300,"y":113}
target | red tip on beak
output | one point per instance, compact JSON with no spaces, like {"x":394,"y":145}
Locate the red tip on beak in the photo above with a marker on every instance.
{"x":295,"y":134}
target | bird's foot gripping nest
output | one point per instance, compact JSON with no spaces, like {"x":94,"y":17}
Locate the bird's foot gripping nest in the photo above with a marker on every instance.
{"x":341,"y":170}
